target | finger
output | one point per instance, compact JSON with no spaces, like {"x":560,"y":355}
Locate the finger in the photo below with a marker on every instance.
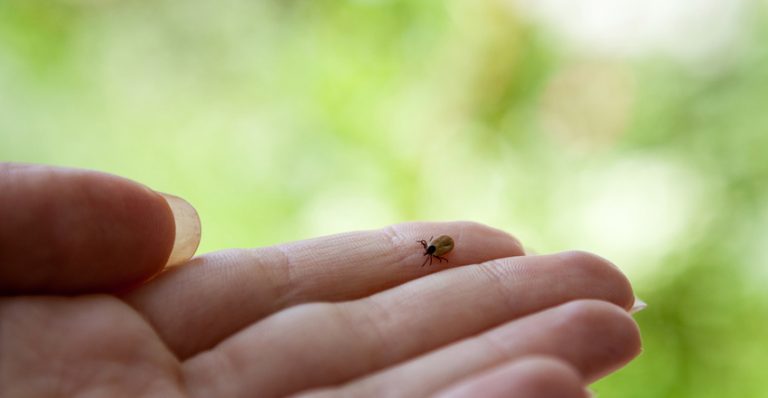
{"x":594,"y":337}
{"x":350,"y":339}
{"x":74,"y":231}
{"x":222,"y":293}
{"x":531,"y":377}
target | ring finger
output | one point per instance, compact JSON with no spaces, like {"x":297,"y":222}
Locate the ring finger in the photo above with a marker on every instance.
{"x":594,"y":337}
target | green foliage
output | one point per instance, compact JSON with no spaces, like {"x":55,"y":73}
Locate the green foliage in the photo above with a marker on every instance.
{"x":281,"y":120}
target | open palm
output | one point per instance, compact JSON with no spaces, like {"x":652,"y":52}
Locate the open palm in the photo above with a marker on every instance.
{"x":346,"y":315}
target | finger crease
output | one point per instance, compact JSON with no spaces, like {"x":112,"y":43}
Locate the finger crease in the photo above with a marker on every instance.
{"x":286,"y":289}
{"x":396,"y":241}
{"x":497,"y":351}
{"x":498,"y":275}
{"x":367,"y":325}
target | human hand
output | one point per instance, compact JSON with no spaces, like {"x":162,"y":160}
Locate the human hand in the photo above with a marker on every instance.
{"x":345,"y":315}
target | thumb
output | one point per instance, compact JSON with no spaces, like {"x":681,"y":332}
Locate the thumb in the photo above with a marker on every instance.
{"x":76,"y":231}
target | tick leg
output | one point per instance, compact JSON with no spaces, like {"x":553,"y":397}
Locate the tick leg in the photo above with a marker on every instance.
{"x":425,"y":260}
{"x":431,"y":257}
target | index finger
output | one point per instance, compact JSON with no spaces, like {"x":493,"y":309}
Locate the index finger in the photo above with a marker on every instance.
{"x":219,"y":294}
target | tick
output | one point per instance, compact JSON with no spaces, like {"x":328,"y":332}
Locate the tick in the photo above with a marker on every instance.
{"x":436,"y":248}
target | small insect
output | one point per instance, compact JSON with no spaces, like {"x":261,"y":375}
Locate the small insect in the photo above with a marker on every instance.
{"x":436,"y":248}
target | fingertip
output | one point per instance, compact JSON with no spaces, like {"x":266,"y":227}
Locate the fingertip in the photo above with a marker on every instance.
{"x":496,"y":237}
{"x":75,"y":231}
{"x":620,"y":289}
{"x":620,"y":343}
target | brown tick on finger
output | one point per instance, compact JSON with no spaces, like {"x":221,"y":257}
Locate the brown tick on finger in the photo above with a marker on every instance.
{"x":436,"y":248}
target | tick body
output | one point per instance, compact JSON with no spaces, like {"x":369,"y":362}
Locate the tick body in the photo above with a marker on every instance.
{"x":436,"y":248}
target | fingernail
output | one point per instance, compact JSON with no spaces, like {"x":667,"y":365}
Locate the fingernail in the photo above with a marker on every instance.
{"x":530,"y":252}
{"x":638,"y":306}
{"x":187,"y":230}
{"x":590,"y":393}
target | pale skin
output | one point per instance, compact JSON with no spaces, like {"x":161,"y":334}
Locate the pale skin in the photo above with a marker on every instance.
{"x":340,"y":316}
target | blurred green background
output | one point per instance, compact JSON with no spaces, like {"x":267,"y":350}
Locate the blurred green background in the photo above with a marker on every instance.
{"x":634,"y":129}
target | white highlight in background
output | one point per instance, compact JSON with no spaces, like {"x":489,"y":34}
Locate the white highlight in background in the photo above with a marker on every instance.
{"x":690,"y":31}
